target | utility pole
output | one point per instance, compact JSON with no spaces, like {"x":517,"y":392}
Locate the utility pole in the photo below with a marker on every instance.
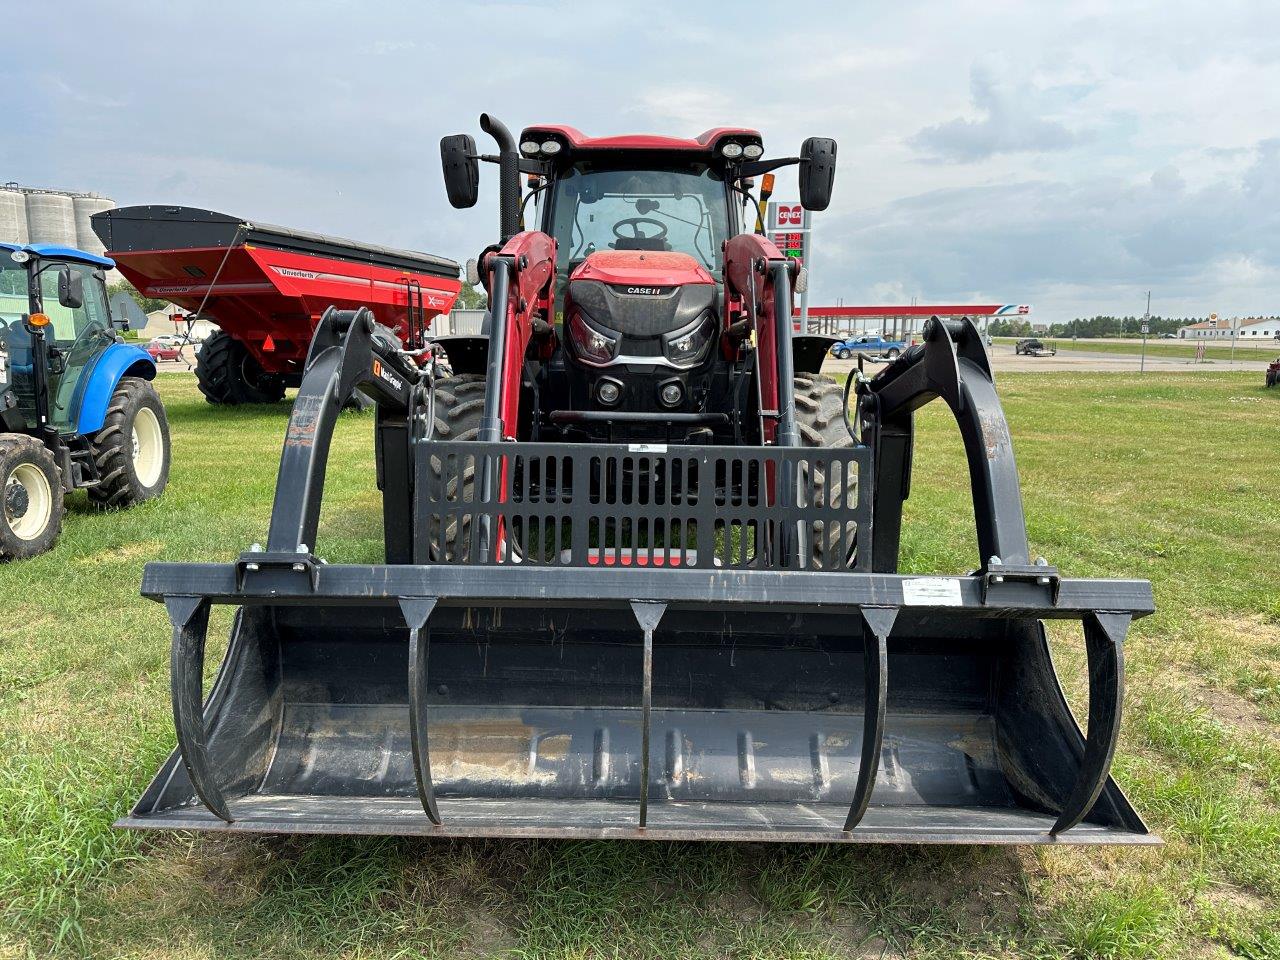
{"x":806,"y":255}
{"x":1146,"y":328}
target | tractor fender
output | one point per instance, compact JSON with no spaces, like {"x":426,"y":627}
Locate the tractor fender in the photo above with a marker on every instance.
{"x":808,"y":350}
{"x":99,"y":382}
{"x":467,"y":353}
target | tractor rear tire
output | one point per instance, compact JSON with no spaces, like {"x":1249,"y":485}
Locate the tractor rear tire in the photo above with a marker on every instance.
{"x":31,"y":497}
{"x":459,"y":408}
{"x":820,"y":420}
{"x":131,"y":450}
{"x":227,"y":372}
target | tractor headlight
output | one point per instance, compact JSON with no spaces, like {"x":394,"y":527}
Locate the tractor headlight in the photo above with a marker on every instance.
{"x":690,"y":346}
{"x":731,"y":150}
{"x":592,"y":345}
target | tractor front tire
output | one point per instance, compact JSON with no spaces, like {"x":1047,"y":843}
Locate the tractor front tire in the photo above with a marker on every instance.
{"x":227,"y":372}
{"x":820,"y":420}
{"x":459,"y":408}
{"x":31,"y":498}
{"x":131,"y":450}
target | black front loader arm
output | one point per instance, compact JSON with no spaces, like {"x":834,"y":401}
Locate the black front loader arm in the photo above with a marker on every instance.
{"x":951,"y":364}
{"x":350,"y":352}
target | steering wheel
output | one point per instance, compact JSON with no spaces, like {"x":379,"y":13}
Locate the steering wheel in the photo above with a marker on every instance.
{"x":91,"y":325}
{"x":635,"y":223}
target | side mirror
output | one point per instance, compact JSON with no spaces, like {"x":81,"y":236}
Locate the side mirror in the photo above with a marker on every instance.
{"x":817,"y":172}
{"x":461,"y":169}
{"x":70,"y":289}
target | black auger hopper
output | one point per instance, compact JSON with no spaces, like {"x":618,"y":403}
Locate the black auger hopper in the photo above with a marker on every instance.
{"x":634,"y":640}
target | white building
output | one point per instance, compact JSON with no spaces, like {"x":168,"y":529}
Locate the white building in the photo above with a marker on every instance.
{"x":1225,"y":328}
{"x":173,"y":319}
{"x":1268,"y":329}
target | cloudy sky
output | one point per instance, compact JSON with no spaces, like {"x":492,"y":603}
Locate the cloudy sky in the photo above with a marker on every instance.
{"x":1070,"y":156}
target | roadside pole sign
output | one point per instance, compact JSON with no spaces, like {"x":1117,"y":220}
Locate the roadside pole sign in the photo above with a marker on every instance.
{"x":786,"y":216}
{"x":789,"y":227}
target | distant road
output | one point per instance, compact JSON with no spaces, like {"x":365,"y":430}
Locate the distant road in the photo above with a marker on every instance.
{"x":1003,"y":358}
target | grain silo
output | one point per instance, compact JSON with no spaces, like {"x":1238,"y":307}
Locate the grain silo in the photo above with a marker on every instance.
{"x":13,"y":215}
{"x":85,"y":207}
{"x":51,"y":218}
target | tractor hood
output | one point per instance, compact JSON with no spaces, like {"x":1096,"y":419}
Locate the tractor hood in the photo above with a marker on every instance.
{"x":641,"y":268}
{"x":641,"y":295}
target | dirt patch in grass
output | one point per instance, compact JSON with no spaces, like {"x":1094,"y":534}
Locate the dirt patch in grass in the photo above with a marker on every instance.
{"x":1231,"y":709}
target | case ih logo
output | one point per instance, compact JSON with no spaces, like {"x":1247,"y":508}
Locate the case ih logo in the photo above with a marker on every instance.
{"x":644,"y":291}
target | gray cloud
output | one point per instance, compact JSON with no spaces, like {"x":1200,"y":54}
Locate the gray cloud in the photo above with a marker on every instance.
{"x":1104,"y":239}
{"x":1151,"y":138}
{"x":1009,"y":124}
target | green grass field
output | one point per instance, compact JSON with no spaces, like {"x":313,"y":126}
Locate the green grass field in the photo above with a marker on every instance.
{"x":1252,"y":349}
{"x":1176,"y":479}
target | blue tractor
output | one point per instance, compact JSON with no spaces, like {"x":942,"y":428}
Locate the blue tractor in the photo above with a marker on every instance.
{"x":77,"y":410}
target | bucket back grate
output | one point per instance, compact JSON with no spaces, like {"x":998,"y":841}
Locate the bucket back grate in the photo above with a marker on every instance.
{"x":642,"y":505}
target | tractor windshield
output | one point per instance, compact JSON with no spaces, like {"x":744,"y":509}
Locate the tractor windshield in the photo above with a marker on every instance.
{"x":684,"y":210}
{"x":13,"y":289}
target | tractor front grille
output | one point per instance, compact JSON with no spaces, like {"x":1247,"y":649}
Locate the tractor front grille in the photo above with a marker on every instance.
{"x":641,"y":505}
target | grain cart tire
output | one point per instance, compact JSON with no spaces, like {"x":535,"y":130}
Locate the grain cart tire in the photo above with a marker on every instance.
{"x":132,"y":448}
{"x":459,"y":407}
{"x":820,"y":419}
{"x":31,"y":501}
{"x":227,"y":373}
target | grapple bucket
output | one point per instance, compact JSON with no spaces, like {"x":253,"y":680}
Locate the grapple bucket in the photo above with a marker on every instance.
{"x":634,"y":642}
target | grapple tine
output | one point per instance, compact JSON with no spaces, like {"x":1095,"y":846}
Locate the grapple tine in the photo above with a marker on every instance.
{"x":648,"y":614}
{"x":190,"y":619}
{"x":416,"y":612}
{"x":1104,"y":635}
{"x":876,"y":624}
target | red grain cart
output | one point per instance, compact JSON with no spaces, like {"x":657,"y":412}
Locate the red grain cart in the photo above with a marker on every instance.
{"x":266,"y":287}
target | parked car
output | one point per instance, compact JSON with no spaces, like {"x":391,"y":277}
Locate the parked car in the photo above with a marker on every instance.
{"x":1032,"y":347}
{"x":170,"y":339}
{"x":872,"y":344}
{"x":160,"y":350}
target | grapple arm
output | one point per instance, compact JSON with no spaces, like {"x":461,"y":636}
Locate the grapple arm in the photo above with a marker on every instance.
{"x":952,"y":365}
{"x":350,"y":352}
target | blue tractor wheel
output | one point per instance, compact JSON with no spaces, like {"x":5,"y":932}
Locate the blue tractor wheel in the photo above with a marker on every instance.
{"x":132,"y":448}
{"x":31,"y":497}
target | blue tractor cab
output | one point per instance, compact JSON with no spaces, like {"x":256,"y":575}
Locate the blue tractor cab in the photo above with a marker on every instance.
{"x":77,"y":409}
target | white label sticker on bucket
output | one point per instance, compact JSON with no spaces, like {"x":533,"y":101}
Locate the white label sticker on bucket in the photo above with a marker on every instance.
{"x":931,"y":592}
{"x":646,"y":448}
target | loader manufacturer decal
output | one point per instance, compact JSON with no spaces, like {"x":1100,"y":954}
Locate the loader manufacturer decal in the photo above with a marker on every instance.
{"x":386,"y":376}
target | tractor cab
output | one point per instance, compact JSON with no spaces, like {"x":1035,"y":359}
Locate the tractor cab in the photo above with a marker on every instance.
{"x":76,"y":410}
{"x":641,"y":339}
{"x":54,"y":322}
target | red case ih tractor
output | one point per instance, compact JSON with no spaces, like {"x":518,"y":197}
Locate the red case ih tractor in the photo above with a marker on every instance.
{"x":641,"y":580}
